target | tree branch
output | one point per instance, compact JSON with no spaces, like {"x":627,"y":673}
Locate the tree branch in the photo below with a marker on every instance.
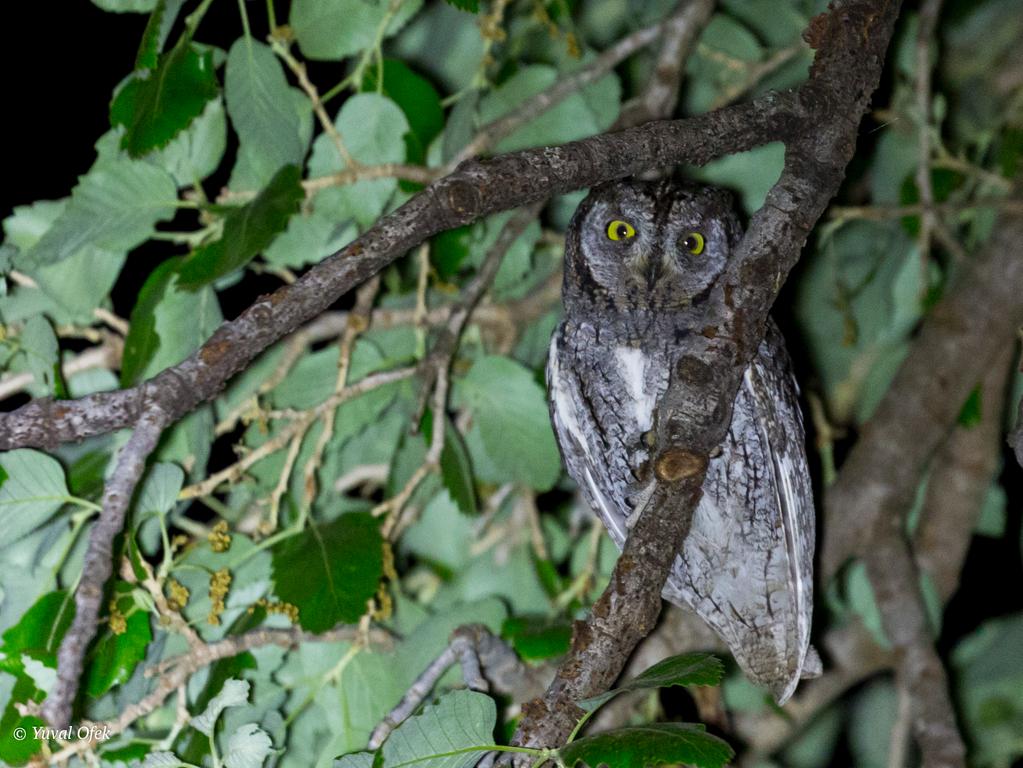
{"x":98,"y":564}
{"x":476,"y":189}
{"x":851,"y":40}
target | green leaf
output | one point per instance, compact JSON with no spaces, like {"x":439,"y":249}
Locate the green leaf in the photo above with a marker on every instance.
{"x":32,"y":489}
{"x":584,"y":113}
{"x":260,"y":104}
{"x":155,"y":105}
{"x":536,"y":639}
{"x":472,"y":6}
{"x":247,"y":230}
{"x":417,"y":98}
{"x":125,"y":6}
{"x":455,"y":470}
{"x":41,"y":628}
{"x":685,"y":669}
{"x":157,"y":28}
{"x":159,"y":492}
{"x":164,"y":760}
{"x":333,"y":29}
{"x":39,"y":345}
{"x":115,"y":206}
{"x":248,"y":747}
{"x":235,"y":693}
{"x":451,"y":733}
{"x":196,"y":152}
{"x":989,"y":683}
{"x":330,"y":571}
{"x":115,"y":656}
{"x":142,"y":340}
{"x":450,"y":249}
{"x":510,"y":414}
{"x":373,"y":128}
{"x":644,"y":746}
{"x":355,"y":760}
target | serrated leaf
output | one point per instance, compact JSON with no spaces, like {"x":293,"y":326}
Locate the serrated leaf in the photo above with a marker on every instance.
{"x":158,"y":104}
{"x":248,"y":747}
{"x":458,"y":722}
{"x":333,"y":29}
{"x":115,"y":206}
{"x":235,"y":693}
{"x":330,"y":571}
{"x":510,"y":412}
{"x":32,"y":489}
{"x":163,"y":760}
{"x":685,"y":669}
{"x":157,"y":27}
{"x":247,"y":230}
{"x":115,"y":656}
{"x":645,"y":746}
{"x":260,"y":104}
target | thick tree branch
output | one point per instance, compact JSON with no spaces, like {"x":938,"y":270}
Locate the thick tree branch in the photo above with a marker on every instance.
{"x":478,"y":188}
{"x":851,"y":40}
{"x":957,"y":344}
{"x":960,"y":476}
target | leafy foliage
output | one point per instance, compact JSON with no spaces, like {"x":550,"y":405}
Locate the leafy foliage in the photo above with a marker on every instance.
{"x":241,"y":152}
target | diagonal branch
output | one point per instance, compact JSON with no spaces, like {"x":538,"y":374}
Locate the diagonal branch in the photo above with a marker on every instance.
{"x":851,"y":40}
{"x":117,"y":495}
{"x":476,"y":189}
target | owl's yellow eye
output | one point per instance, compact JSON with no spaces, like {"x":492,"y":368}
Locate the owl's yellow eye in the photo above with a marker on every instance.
{"x":620,"y":230}
{"x":694,"y":243}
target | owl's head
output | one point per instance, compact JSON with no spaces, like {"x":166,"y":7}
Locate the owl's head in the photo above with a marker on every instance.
{"x":648,"y":245}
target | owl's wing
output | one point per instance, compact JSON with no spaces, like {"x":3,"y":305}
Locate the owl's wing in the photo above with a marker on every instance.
{"x":588,"y":454}
{"x":747,"y":565}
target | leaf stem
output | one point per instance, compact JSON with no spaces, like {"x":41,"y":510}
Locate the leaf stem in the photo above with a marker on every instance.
{"x":246,"y":29}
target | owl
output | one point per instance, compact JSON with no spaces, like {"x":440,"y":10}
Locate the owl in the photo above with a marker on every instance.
{"x":639,"y":259}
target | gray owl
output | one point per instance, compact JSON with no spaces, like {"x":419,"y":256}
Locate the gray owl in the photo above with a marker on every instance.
{"x":639,"y":257}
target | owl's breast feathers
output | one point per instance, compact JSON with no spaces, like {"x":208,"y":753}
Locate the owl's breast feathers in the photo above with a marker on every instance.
{"x":746,"y":566}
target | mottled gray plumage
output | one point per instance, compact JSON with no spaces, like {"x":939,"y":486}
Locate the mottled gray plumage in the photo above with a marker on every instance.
{"x":746,"y":566}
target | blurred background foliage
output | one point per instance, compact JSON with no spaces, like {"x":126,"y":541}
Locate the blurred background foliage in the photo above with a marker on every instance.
{"x":217,"y":181}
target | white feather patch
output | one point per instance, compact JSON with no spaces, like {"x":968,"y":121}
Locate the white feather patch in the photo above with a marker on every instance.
{"x":632,"y":367}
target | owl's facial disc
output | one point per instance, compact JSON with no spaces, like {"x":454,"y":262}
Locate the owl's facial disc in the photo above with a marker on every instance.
{"x":649,"y":245}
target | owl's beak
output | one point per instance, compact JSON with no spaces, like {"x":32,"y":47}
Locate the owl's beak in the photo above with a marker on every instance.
{"x":654,"y":270}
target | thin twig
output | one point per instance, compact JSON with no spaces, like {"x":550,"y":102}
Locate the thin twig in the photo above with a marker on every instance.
{"x":461,"y":651}
{"x":176,"y":675}
{"x":490,"y":134}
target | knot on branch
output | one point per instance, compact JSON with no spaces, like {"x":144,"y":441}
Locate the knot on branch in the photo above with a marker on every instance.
{"x":676,"y":464}
{"x":459,"y":199}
